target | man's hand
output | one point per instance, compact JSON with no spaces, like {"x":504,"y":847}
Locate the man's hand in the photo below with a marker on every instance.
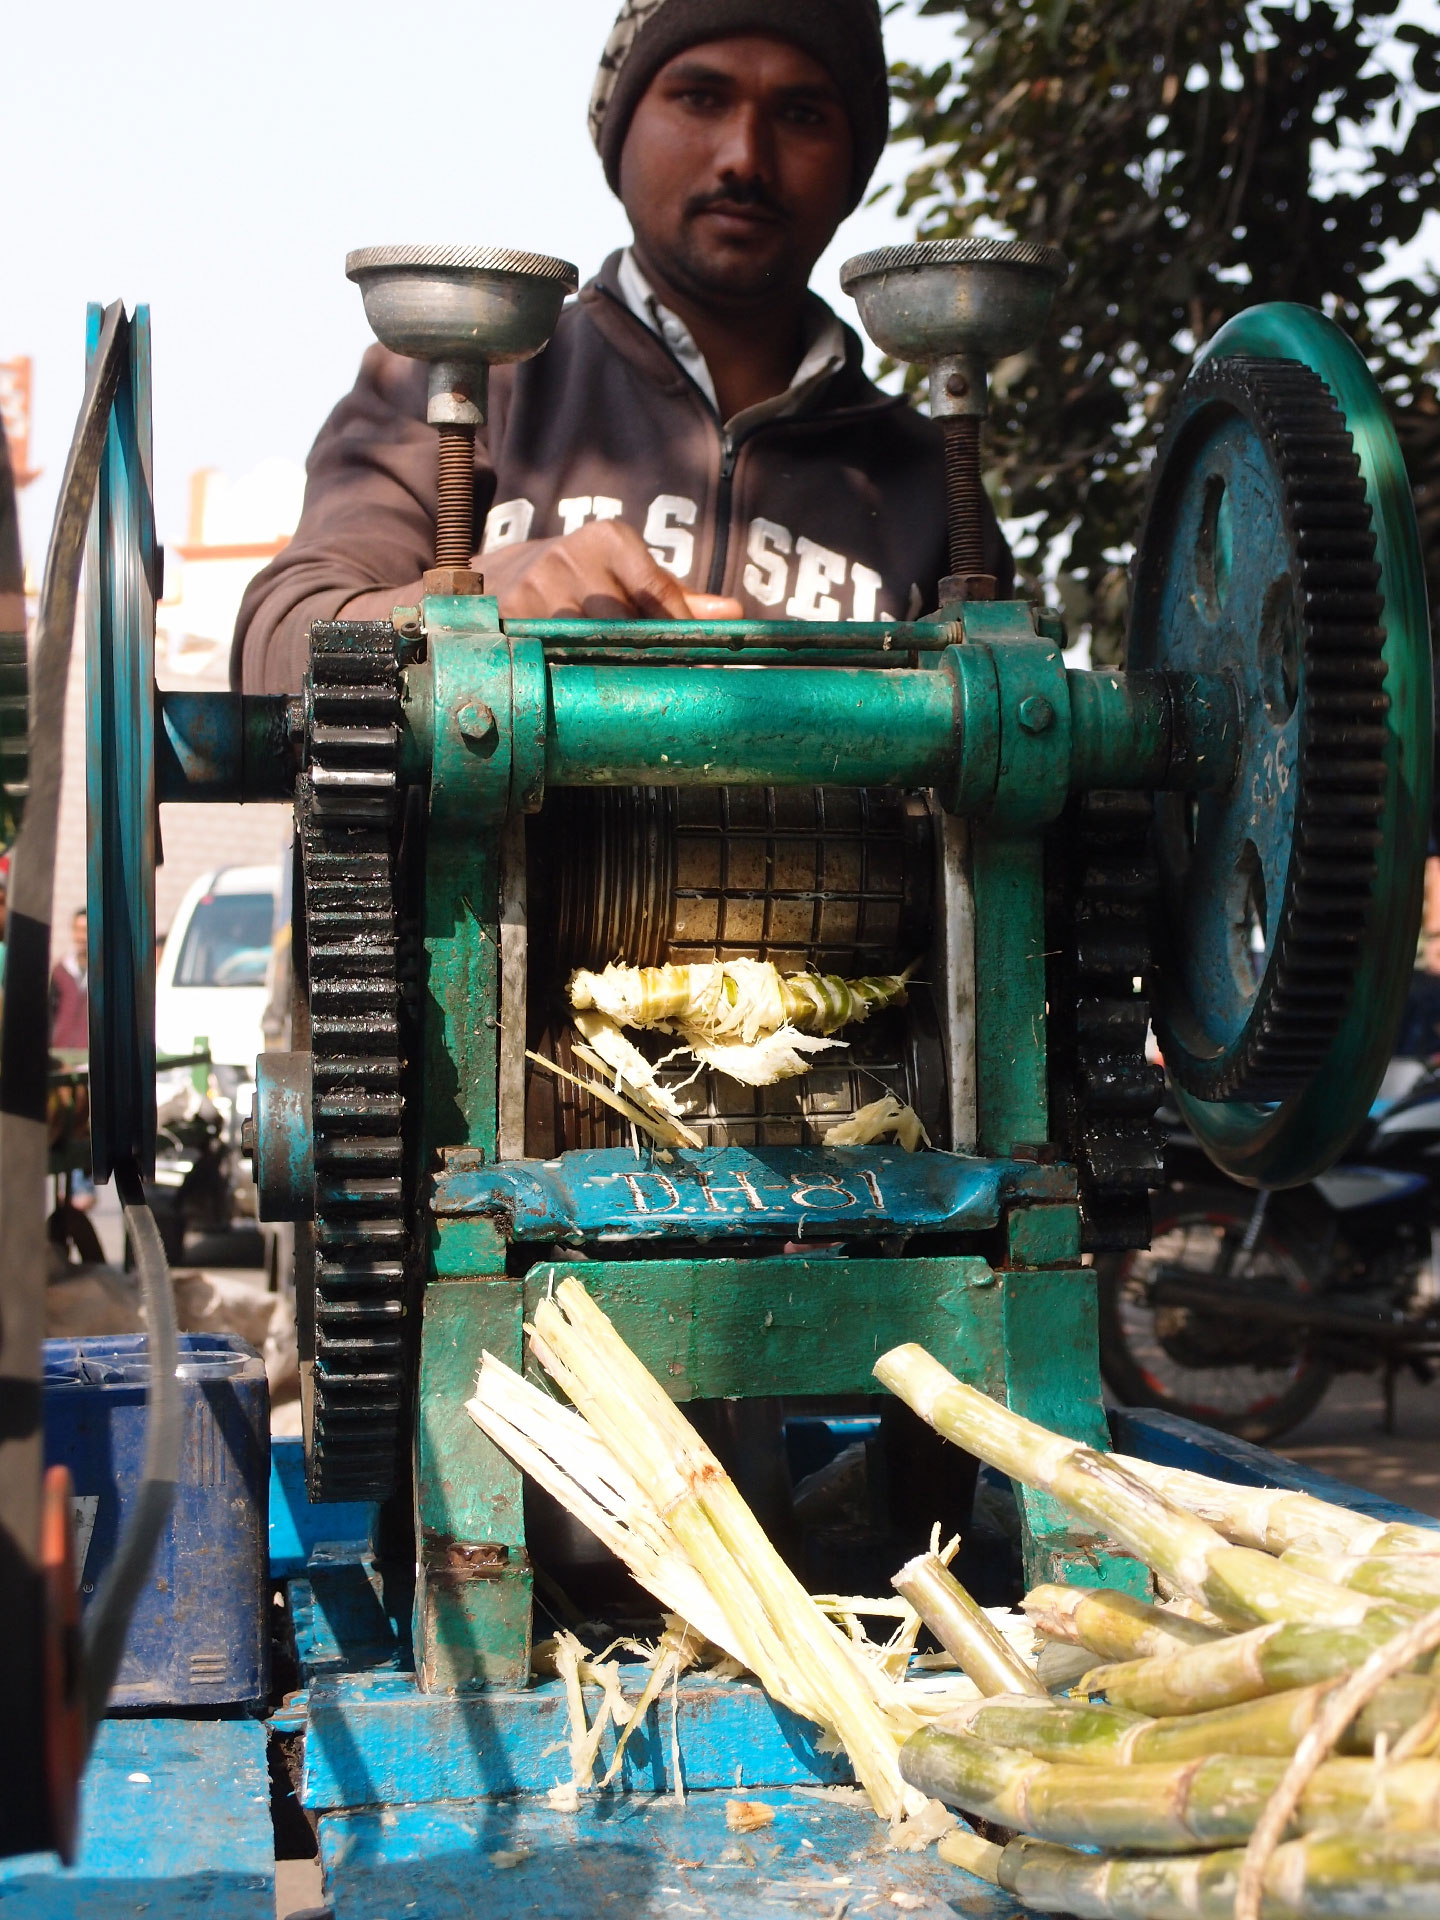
{"x":604,"y":571}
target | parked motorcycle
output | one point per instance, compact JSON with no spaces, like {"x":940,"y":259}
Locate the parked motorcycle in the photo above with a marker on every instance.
{"x":1246,"y":1305}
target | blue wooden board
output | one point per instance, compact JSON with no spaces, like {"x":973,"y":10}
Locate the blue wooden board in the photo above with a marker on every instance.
{"x":335,"y":1530}
{"x":345,"y":1621}
{"x":735,"y":1192}
{"x":374,"y":1739}
{"x":824,"y":1857}
{"x":175,"y":1822}
{"x":1171,"y":1442}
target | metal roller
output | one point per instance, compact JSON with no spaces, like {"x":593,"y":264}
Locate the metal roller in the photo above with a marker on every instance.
{"x":836,"y":879}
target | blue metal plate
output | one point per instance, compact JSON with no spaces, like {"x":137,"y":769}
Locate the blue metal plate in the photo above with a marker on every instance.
{"x":822,"y":1857}
{"x":718,"y":1193}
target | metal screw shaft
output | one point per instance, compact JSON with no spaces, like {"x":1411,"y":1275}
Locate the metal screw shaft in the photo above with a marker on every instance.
{"x":455,"y":497}
{"x":962,"y":493}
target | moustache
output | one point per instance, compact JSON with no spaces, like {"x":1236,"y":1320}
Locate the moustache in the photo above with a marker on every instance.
{"x":737,"y":193}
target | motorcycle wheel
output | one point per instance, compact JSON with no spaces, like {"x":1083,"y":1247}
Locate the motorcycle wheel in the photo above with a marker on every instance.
{"x":1251,"y":1380}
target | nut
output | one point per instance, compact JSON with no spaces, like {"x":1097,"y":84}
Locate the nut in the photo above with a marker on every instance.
{"x":477,"y":724}
{"x":451,"y":581}
{"x":1036,"y":713}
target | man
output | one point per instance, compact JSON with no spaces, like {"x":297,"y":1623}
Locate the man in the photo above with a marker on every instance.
{"x":699,"y":438}
{"x":70,"y":990}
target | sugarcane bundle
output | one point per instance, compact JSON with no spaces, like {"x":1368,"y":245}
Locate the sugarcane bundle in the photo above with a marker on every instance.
{"x":1242,"y":1585}
{"x":1163,"y":1807}
{"x":1285,"y":1718}
{"x":1329,"y":1876}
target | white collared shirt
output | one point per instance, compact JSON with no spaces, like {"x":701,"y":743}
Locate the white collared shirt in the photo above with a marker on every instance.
{"x":824,"y":356}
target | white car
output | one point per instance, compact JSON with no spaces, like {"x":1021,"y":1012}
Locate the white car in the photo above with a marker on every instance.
{"x":210,"y":986}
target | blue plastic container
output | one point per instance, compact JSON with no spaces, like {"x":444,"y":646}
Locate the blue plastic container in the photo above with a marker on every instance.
{"x":200,"y":1635}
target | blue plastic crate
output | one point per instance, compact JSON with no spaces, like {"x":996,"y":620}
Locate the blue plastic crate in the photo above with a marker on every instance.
{"x":200,"y":1634}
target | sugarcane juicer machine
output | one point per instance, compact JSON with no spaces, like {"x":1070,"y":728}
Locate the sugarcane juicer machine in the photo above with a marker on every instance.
{"x":1223,"y":844}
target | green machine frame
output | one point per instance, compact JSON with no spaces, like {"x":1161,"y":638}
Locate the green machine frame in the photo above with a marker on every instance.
{"x":975,"y":706}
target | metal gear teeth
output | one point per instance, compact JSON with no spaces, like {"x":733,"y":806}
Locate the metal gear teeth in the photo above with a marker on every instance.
{"x":1340,"y":764}
{"x":348,"y":816}
{"x":1101,"y":884}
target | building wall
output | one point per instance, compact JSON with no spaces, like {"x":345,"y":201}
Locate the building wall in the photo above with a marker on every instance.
{"x":205,"y":579}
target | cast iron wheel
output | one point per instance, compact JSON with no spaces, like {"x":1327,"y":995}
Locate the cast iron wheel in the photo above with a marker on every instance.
{"x":1248,"y":1378}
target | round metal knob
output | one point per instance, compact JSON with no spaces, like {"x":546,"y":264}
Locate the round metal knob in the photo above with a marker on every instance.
{"x":940,"y":300}
{"x":464,"y":310}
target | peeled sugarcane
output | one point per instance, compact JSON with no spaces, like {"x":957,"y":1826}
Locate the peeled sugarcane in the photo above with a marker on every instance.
{"x":1412,"y":1579}
{"x":1114,"y":1625}
{"x":743,"y":1017}
{"x":1273,"y":1518}
{"x":1240,"y":1584}
{"x":963,"y":1628}
{"x":1269,"y":1659}
{"x":1084,"y":1734}
{"x":1328,"y":1876}
{"x":1175,"y":1808}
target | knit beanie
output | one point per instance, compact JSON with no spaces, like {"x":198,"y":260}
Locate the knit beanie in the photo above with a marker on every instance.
{"x":843,"y":35}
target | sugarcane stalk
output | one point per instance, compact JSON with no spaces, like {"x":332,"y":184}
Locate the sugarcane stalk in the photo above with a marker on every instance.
{"x":1173,"y":1808}
{"x":963,"y":1628}
{"x":1272,"y":1518}
{"x":1412,"y":1579}
{"x":961,"y":1848}
{"x":1273,"y":1726}
{"x":1269,"y":1659}
{"x":1239,"y":1584}
{"x":1115,"y":1625}
{"x":1323,"y":1876}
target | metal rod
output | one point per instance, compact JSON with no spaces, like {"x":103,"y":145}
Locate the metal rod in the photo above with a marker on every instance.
{"x":626,"y":726}
{"x":455,"y":496}
{"x":924,"y":636}
{"x":963,"y":519}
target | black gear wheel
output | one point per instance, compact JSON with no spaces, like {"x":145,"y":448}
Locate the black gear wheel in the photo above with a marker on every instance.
{"x":347,"y":817}
{"x":1100,"y":886}
{"x":1308,"y":660}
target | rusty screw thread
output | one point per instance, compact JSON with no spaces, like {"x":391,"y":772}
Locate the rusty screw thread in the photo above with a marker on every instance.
{"x":962,"y":493}
{"x":455,"y":497}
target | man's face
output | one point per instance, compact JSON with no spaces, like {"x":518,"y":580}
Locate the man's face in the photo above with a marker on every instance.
{"x":77,"y":935}
{"x":736,"y":168}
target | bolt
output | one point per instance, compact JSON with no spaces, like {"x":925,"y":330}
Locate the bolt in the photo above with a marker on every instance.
{"x":477,"y":724}
{"x":957,"y":386}
{"x":247,"y":1138}
{"x":1036,"y":713}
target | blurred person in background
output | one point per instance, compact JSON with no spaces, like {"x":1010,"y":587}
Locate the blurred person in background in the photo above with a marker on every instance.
{"x":70,"y":991}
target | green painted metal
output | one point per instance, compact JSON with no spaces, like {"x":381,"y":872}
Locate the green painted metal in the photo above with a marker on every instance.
{"x":800,"y":636}
{"x":718,"y":1329}
{"x":1288,"y":1144}
{"x":1050,"y":1342}
{"x":1044,"y":1236}
{"x":1155,"y":732}
{"x":469,"y":792}
{"x":1010,"y":991}
{"x":970,"y":787}
{"x":1034,"y":772}
{"x":728,"y":725}
{"x":473,"y":1581}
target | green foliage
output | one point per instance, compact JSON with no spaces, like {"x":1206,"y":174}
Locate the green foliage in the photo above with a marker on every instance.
{"x":1191,"y":157}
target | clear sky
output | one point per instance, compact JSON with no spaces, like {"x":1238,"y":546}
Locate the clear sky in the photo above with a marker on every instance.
{"x":219,"y":161}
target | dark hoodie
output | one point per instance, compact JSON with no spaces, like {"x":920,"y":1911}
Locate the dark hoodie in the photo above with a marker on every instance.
{"x":829,"y":509}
